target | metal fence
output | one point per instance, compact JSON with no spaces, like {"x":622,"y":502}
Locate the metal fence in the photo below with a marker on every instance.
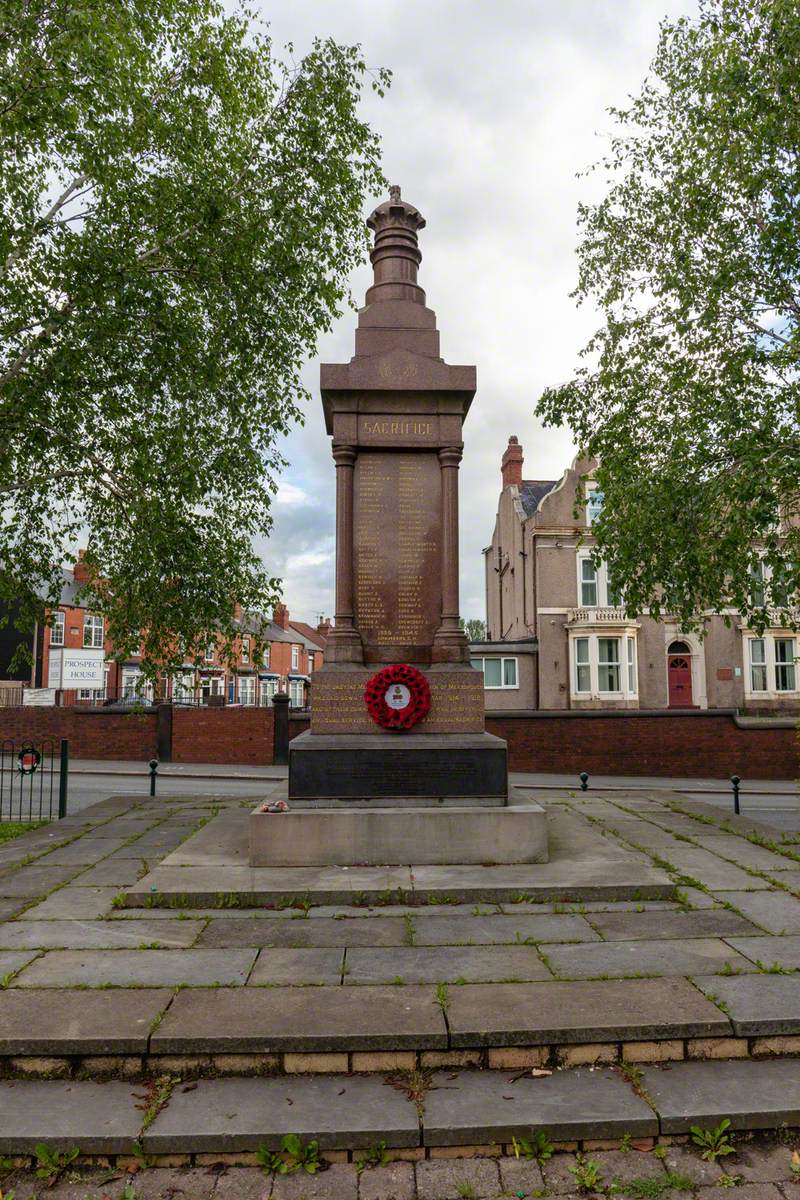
{"x":34,"y":780}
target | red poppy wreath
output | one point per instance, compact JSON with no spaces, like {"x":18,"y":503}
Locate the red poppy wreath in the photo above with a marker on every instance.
{"x":398,"y":696}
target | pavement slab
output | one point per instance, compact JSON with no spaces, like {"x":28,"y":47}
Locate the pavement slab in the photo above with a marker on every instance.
{"x":506,"y":1014}
{"x":35,"y":880}
{"x":758,"y":1005}
{"x":746,"y":854}
{"x":85,"y":850}
{"x":627,"y":958}
{"x":502,"y":929}
{"x":776,"y":912}
{"x":707,"y":922}
{"x":95,"y":935}
{"x":119,"y":874}
{"x":73,"y":902}
{"x":11,"y":962}
{"x":780,"y":951}
{"x":379,"y":931}
{"x":78,"y":1022}
{"x":441,"y":1179}
{"x":303,"y":1019}
{"x":242,"y":1114}
{"x":520,"y":1175}
{"x":311,"y":966}
{"x":102,"y":1118}
{"x":138,"y":968}
{"x":10,"y":908}
{"x":487,"y":1106}
{"x":767,"y":1163}
{"x":444,"y":964}
{"x":395,"y":1181}
{"x":753,"y":1094}
{"x":711,"y":871}
{"x":339,"y":1182}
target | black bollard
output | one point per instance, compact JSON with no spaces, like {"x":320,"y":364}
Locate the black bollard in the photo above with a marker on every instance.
{"x":584,"y":778}
{"x":153,"y":769}
{"x":735,"y":781}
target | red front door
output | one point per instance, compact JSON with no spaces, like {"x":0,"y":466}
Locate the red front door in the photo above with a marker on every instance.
{"x":679,"y":678}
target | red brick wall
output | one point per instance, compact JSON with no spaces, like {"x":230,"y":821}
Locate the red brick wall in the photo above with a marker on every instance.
{"x":222,"y":735}
{"x":706,"y":745}
{"x":91,"y":734}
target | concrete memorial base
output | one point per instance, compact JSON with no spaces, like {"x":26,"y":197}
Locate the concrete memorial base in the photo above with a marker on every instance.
{"x":387,"y":836}
{"x":404,"y":769}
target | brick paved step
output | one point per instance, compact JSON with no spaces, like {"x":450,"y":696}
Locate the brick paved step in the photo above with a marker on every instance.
{"x":344,"y":1112}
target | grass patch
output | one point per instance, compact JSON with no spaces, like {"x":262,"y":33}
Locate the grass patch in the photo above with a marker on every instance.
{"x":14,"y":829}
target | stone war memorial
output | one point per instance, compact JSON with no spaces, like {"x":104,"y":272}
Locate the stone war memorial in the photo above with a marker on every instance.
{"x":397,"y":766}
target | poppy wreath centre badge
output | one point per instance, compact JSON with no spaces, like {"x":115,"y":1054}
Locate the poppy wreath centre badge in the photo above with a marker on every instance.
{"x":398,"y":696}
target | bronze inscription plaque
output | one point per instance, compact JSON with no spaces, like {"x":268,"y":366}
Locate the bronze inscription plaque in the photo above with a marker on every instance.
{"x":396,"y":537}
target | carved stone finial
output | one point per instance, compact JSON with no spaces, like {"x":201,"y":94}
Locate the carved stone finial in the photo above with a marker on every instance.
{"x":394,"y":192}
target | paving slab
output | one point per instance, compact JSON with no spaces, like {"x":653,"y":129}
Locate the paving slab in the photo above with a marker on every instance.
{"x":753,"y":1094}
{"x":444,"y":964}
{"x":394,"y":1181}
{"x":506,"y":1014}
{"x":441,"y":1179}
{"x":314,"y":966}
{"x":242,"y":1114}
{"x":520,"y":1176}
{"x":706,"y":922}
{"x":95,"y":935}
{"x":78,"y":1022}
{"x":84,"y":851}
{"x":746,"y":854}
{"x":138,"y":968}
{"x":238,"y":1183}
{"x":711,"y":871}
{"x":379,"y":931}
{"x":11,"y":962}
{"x":9,"y":908}
{"x":783,"y":951}
{"x":765,"y":1163}
{"x":206,"y":886}
{"x":758,"y":1005}
{"x":339,"y":1182}
{"x":695,"y":956}
{"x":563,"y":880}
{"x":73,"y":902}
{"x":118,"y":873}
{"x":100,"y":1118}
{"x":501,"y":929}
{"x":489,"y":1106}
{"x":776,"y":912}
{"x":304,"y":1019}
{"x":686,"y":1160}
{"x":35,"y":880}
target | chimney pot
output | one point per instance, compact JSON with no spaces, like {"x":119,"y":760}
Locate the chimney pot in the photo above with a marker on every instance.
{"x":511,"y":466}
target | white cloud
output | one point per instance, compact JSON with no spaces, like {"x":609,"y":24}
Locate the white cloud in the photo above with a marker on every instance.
{"x":494,"y":109}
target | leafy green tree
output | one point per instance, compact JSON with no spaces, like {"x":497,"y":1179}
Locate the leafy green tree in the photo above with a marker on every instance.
{"x":689,"y":394}
{"x":474,"y":628}
{"x":179,"y":214}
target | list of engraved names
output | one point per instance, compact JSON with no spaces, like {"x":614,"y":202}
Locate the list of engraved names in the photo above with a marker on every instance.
{"x":397,"y":519}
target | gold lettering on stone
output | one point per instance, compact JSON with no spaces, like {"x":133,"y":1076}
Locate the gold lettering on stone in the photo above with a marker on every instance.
{"x":403,"y":428}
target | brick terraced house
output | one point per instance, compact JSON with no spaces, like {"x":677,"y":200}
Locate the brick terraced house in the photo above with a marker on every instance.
{"x":559,"y":638}
{"x":292,"y":652}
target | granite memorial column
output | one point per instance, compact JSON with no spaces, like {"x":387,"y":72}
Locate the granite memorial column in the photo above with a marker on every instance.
{"x":344,"y":643}
{"x":450,"y":642}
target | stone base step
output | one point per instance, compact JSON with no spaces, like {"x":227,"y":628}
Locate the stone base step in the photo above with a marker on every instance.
{"x":420,"y":1112}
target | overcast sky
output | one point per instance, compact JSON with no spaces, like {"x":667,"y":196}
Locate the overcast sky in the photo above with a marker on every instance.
{"x":495,"y":107}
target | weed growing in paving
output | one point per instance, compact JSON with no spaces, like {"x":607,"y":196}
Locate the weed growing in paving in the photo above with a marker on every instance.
{"x":794,"y":1164}
{"x":292,"y":1156}
{"x":374,"y":1156}
{"x":536,"y":1147}
{"x":775,"y":969}
{"x":156,"y":1098}
{"x":465,"y":1190}
{"x":415,"y":1083}
{"x":409,"y":932}
{"x":714,"y":1143}
{"x":52,"y":1163}
{"x":442,"y":997}
{"x":726,"y":1180}
{"x":586,"y":1173}
{"x":14,"y":829}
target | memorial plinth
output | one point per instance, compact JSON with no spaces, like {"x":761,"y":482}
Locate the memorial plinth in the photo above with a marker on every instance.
{"x":395,"y":413}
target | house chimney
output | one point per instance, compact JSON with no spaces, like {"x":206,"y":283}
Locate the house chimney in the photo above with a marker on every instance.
{"x":324,"y":626}
{"x":280,"y":615}
{"x":79,"y":571}
{"x":511,"y":468}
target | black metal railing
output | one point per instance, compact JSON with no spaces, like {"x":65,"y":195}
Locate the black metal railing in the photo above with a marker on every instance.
{"x":34,"y":778}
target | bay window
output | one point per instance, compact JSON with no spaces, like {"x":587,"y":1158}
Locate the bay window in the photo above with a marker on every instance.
{"x":771,"y":665}
{"x":603,"y":666}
